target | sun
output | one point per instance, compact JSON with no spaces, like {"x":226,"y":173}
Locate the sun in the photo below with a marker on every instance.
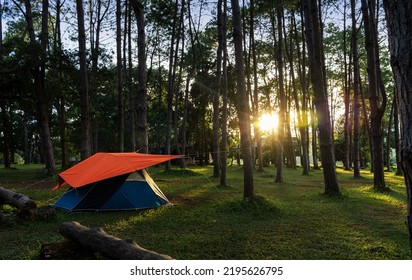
{"x":268,"y":122}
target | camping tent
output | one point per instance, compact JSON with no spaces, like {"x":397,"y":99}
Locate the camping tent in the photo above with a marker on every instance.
{"x":111,"y":181}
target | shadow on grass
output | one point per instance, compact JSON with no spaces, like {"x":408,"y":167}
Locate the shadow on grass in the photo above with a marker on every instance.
{"x":375,"y":216}
{"x":163,"y":175}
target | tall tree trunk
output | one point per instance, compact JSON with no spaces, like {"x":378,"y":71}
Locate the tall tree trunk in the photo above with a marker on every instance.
{"x":248,"y":76}
{"x":347,"y":126}
{"x":377,"y":94}
{"x":388,"y":140}
{"x":142,"y":137}
{"x":356,"y":90}
{"x":255,"y":97}
{"x":366,"y":122}
{"x":38,"y":73}
{"x":399,"y":171}
{"x":170,"y":87}
{"x":26,"y":145}
{"x":177,"y":90}
{"x":293,"y":92}
{"x":120,"y":102}
{"x":62,"y":128}
{"x":308,"y":100}
{"x":399,"y":20}
{"x":281,"y":98}
{"x":243,"y":104}
{"x":303,"y":116}
{"x":291,"y":156}
{"x":178,"y":80}
{"x":216,"y":95}
{"x":6,"y":130}
{"x":314,"y":126}
{"x":184,"y":119}
{"x":223,"y":157}
{"x":317,"y":67}
{"x":84,"y":89}
{"x":4,"y":117}
{"x":129,"y":74}
{"x":61,"y":99}
{"x":190,"y":75}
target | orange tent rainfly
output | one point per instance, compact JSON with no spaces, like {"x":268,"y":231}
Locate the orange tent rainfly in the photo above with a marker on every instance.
{"x":102,"y":166}
{"x":112,"y":181}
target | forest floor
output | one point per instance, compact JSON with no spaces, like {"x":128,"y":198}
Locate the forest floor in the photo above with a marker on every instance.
{"x":289,"y":221}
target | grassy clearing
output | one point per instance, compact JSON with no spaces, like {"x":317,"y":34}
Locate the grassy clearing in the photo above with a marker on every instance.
{"x":292,"y":220}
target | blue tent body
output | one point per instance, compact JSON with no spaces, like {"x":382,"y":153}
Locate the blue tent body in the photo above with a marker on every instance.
{"x":135,"y":190}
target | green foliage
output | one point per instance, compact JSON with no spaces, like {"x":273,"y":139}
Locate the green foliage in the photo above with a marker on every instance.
{"x":160,"y":13}
{"x":292,"y":220}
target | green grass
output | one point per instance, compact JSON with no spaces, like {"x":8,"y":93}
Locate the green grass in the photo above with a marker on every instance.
{"x":292,"y":220}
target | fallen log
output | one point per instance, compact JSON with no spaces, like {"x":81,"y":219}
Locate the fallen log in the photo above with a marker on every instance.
{"x":20,"y":201}
{"x":97,"y":240}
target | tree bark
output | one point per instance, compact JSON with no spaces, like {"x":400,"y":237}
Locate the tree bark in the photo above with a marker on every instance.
{"x":26,"y":145}
{"x":317,"y":69}
{"x":129,"y":74}
{"x":61,"y":98}
{"x":177,"y":81}
{"x":255,"y":96}
{"x":399,"y":21}
{"x":377,"y":94}
{"x":141,"y":135}
{"x":223,"y":158}
{"x":303,"y":116}
{"x":291,"y":156}
{"x":120,"y":99}
{"x":108,"y":245}
{"x":399,"y":171}
{"x":170,"y":86}
{"x":347,"y":126}
{"x":356,"y":90}
{"x":281,"y":98}
{"x":177,"y":91}
{"x":85,"y":150}
{"x":216,"y":94}
{"x":190,"y":75}
{"x":38,"y":72}
{"x":6,"y":130}
{"x":388,"y":139}
{"x":366,"y":122}
{"x":243,"y":109}
{"x":4,"y":117}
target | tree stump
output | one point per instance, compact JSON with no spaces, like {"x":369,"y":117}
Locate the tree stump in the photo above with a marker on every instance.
{"x":109,"y":246}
